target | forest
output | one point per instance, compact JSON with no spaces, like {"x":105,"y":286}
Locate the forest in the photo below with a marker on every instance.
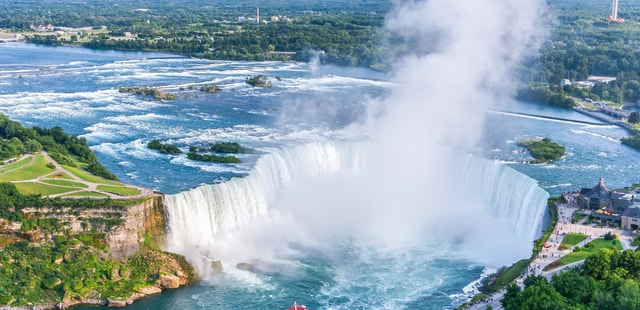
{"x":606,"y":280}
{"x":341,"y":32}
{"x":583,"y":43}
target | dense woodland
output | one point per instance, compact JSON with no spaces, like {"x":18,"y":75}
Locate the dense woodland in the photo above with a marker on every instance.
{"x":607,"y":280}
{"x":582,"y":44}
{"x":340,"y":32}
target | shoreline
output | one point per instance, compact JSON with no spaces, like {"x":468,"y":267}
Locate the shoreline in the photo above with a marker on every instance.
{"x":103,"y":302}
{"x":547,"y":255}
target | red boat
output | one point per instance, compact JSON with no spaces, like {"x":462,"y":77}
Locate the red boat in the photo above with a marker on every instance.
{"x":297,"y":307}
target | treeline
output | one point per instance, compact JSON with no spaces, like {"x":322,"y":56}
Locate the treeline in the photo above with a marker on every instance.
{"x":61,"y":147}
{"x":348,"y":32}
{"x":337,"y":39}
{"x":542,"y":94}
{"x":609,"y":279}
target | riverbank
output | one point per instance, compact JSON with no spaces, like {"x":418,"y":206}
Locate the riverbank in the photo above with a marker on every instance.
{"x":603,"y":117}
{"x":551,"y":252}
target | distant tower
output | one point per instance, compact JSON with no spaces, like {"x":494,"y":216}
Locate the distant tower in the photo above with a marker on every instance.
{"x":614,"y":10}
{"x":258,"y":13}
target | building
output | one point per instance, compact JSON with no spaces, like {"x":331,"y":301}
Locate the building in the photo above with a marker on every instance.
{"x":631,"y":217}
{"x":595,"y":198}
{"x":565,"y":82}
{"x":609,"y":205}
{"x":601,"y":79}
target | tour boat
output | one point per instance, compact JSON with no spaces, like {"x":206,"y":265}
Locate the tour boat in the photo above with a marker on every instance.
{"x":297,"y":307}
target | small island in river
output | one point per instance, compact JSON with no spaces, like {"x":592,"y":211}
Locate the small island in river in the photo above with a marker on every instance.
{"x":543,"y":151}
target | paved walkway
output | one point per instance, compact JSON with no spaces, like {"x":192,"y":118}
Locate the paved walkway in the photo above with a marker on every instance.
{"x":91,"y":187}
{"x":552,"y":252}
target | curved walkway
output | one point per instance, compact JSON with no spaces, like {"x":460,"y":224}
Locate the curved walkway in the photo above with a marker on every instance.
{"x":91,"y":186}
{"x":552,"y":253}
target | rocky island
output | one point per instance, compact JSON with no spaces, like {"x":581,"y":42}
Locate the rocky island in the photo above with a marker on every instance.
{"x":543,"y":150}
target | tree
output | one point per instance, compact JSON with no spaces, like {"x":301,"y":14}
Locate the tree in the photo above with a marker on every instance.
{"x":598,"y":265}
{"x":577,"y":288}
{"x":628,"y":295}
{"x":32,"y":146}
{"x":538,"y":294}
{"x":634,"y":117}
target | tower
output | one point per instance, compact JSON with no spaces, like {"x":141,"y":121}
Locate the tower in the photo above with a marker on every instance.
{"x":614,"y":10}
{"x":258,"y":14}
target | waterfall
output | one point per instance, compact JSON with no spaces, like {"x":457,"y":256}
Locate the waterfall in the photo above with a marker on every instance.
{"x":196,"y":217}
{"x":509,"y":194}
{"x":199,"y":217}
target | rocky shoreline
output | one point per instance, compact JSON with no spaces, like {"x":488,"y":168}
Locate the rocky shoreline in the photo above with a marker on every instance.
{"x":171,"y":282}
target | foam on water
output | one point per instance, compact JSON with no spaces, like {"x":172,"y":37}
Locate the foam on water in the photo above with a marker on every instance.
{"x":210,"y":221}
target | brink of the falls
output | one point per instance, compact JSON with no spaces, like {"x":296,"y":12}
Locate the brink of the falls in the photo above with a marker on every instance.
{"x":487,"y":207}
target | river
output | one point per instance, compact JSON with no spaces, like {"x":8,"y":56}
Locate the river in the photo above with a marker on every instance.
{"x":311,"y":129}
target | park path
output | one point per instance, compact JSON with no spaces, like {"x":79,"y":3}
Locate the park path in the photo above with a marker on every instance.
{"x":91,"y":186}
{"x":553,"y":253}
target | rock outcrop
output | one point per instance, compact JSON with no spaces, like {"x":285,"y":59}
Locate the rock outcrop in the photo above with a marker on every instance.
{"x":145,"y":217}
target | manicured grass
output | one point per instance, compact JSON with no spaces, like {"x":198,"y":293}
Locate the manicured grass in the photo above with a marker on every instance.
{"x":37,"y":169}
{"x":67,"y":183}
{"x":89,"y":177}
{"x":15,"y":165}
{"x":85,"y":194}
{"x":586,"y":251}
{"x":43,"y":189}
{"x":571,"y":240}
{"x":120,"y":190}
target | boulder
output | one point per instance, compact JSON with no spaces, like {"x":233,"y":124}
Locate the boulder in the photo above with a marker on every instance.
{"x":169,"y":281}
{"x":149,"y":290}
{"x":216,"y":266}
{"x":244,"y":266}
{"x":115,"y":303}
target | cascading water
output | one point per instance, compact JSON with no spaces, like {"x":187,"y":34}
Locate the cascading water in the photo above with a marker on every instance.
{"x":494,"y":203}
{"x":198,"y":216}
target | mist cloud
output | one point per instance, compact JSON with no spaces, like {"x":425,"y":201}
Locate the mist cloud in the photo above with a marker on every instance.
{"x":461,"y":61}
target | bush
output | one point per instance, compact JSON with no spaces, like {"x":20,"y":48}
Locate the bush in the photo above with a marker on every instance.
{"x":609,"y":236}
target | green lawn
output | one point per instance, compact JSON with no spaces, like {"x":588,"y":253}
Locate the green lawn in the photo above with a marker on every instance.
{"x":587,"y":251}
{"x":15,"y":165}
{"x":571,"y":240}
{"x":67,"y":183}
{"x":89,"y":177}
{"x":37,"y":169}
{"x":120,"y":190}
{"x":42,"y":189}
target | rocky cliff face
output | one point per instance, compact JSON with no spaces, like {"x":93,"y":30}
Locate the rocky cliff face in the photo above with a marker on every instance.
{"x":123,"y":227}
{"x":140,"y":219}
